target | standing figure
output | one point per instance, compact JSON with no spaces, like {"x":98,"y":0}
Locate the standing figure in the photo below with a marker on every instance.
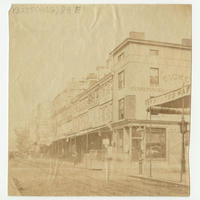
{"x":75,"y":157}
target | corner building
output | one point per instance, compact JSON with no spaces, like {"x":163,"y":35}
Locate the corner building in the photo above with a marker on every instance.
{"x":112,"y":110}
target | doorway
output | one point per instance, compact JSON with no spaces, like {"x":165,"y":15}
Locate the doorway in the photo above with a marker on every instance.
{"x":136,"y":149}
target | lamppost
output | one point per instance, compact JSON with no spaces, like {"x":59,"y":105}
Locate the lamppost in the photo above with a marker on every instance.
{"x":141,"y":131}
{"x":183,"y":130}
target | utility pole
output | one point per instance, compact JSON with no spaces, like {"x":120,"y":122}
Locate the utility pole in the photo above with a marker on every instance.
{"x":183,"y":130}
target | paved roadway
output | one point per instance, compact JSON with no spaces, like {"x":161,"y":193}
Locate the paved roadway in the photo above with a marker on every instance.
{"x":58,"y":179}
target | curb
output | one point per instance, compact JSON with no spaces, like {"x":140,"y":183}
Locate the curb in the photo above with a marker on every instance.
{"x":159,"y":181}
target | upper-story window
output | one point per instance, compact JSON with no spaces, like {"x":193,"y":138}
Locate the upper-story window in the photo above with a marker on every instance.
{"x":121,"y":56}
{"x":121,"y":109}
{"x":154,"y":76}
{"x":121,"y":80}
{"x":154,"y":52}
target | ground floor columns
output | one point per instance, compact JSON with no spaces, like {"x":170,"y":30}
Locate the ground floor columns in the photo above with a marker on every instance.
{"x":126,"y":145}
{"x":114,"y":141}
{"x":122,"y":142}
{"x":86,"y":150}
{"x":130,"y":141}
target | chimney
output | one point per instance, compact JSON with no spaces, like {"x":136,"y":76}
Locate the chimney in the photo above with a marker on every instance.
{"x":137,"y":35}
{"x":91,"y":79}
{"x":102,"y":71}
{"x":186,"y":42}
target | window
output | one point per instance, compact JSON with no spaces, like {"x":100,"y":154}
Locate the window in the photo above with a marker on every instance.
{"x":154,"y":76}
{"x":121,"y":80}
{"x":121,"y":56}
{"x":121,"y":108}
{"x":156,"y":143}
{"x":153,"y":52}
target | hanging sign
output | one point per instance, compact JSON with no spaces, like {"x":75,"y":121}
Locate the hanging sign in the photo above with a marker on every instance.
{"x":170,"y":96}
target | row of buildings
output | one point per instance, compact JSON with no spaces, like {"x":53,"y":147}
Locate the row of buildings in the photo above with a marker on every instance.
{"x":108,"y":108}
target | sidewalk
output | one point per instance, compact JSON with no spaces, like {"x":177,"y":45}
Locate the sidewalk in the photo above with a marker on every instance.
{"x":160,"y":172}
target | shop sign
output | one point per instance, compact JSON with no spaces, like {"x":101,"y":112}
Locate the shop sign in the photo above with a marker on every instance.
{"x":170,"y":96}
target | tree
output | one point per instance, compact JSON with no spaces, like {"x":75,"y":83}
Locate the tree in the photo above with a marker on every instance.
{"x":22,"y":140}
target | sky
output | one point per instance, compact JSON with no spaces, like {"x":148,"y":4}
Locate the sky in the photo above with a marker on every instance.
{"x":47,"y":50}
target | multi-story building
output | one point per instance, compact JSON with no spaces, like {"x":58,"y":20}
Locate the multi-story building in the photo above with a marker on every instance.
{"x":144,"y":69}
{"x":112,"y":111}
{"x":86,"y":112}
{"x":92,"y":113}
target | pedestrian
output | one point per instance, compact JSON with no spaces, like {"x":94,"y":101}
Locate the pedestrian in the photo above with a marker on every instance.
{"x":75,"y":157}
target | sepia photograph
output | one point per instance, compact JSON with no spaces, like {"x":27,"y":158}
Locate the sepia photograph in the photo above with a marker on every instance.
{"x":99,"y":99}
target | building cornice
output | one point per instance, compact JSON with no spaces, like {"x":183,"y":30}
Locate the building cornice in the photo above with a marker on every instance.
{"x":149,"y":42}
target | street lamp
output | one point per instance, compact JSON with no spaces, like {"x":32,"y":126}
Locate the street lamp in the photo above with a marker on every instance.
{"x":183,"y":126}
{"x":141,"y":131}
{"x":183,"y":130}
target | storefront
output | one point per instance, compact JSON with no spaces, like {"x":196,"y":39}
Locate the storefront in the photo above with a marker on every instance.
{"x":177,"y":103}
{"x":141,"y":139}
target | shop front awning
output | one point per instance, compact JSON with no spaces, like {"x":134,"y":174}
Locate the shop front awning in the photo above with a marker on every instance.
{"x":102,"y":128}
{"x":171,"y":102}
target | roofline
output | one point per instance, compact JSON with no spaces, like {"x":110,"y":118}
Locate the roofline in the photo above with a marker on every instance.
{"x":107,"y":76}
{"x":149,"y":42}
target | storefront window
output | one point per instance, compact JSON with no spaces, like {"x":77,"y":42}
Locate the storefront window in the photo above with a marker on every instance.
{"x":156,"y":143}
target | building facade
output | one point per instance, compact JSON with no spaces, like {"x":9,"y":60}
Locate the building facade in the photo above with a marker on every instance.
{"x":111,"y":111}
{"x":143,"y":69}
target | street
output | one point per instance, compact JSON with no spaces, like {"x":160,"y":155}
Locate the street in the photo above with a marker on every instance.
{"x":58,"y":178}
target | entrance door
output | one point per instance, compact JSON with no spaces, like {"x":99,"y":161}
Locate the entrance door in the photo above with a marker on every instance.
{"x":136,"y":149}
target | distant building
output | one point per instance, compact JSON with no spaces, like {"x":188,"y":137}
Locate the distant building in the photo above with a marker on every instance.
{"x":44,"y":126}
{"x":22,"y":139}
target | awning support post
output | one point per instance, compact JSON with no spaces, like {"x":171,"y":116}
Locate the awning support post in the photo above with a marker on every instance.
{"x":150,"y":161}
{"x":183,"y":144}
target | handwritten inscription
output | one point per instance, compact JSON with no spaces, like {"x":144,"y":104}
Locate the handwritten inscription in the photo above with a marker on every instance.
{"x":62,"y":9}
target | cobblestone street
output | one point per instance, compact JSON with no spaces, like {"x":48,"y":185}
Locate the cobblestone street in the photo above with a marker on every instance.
{"x":63,"y":179}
